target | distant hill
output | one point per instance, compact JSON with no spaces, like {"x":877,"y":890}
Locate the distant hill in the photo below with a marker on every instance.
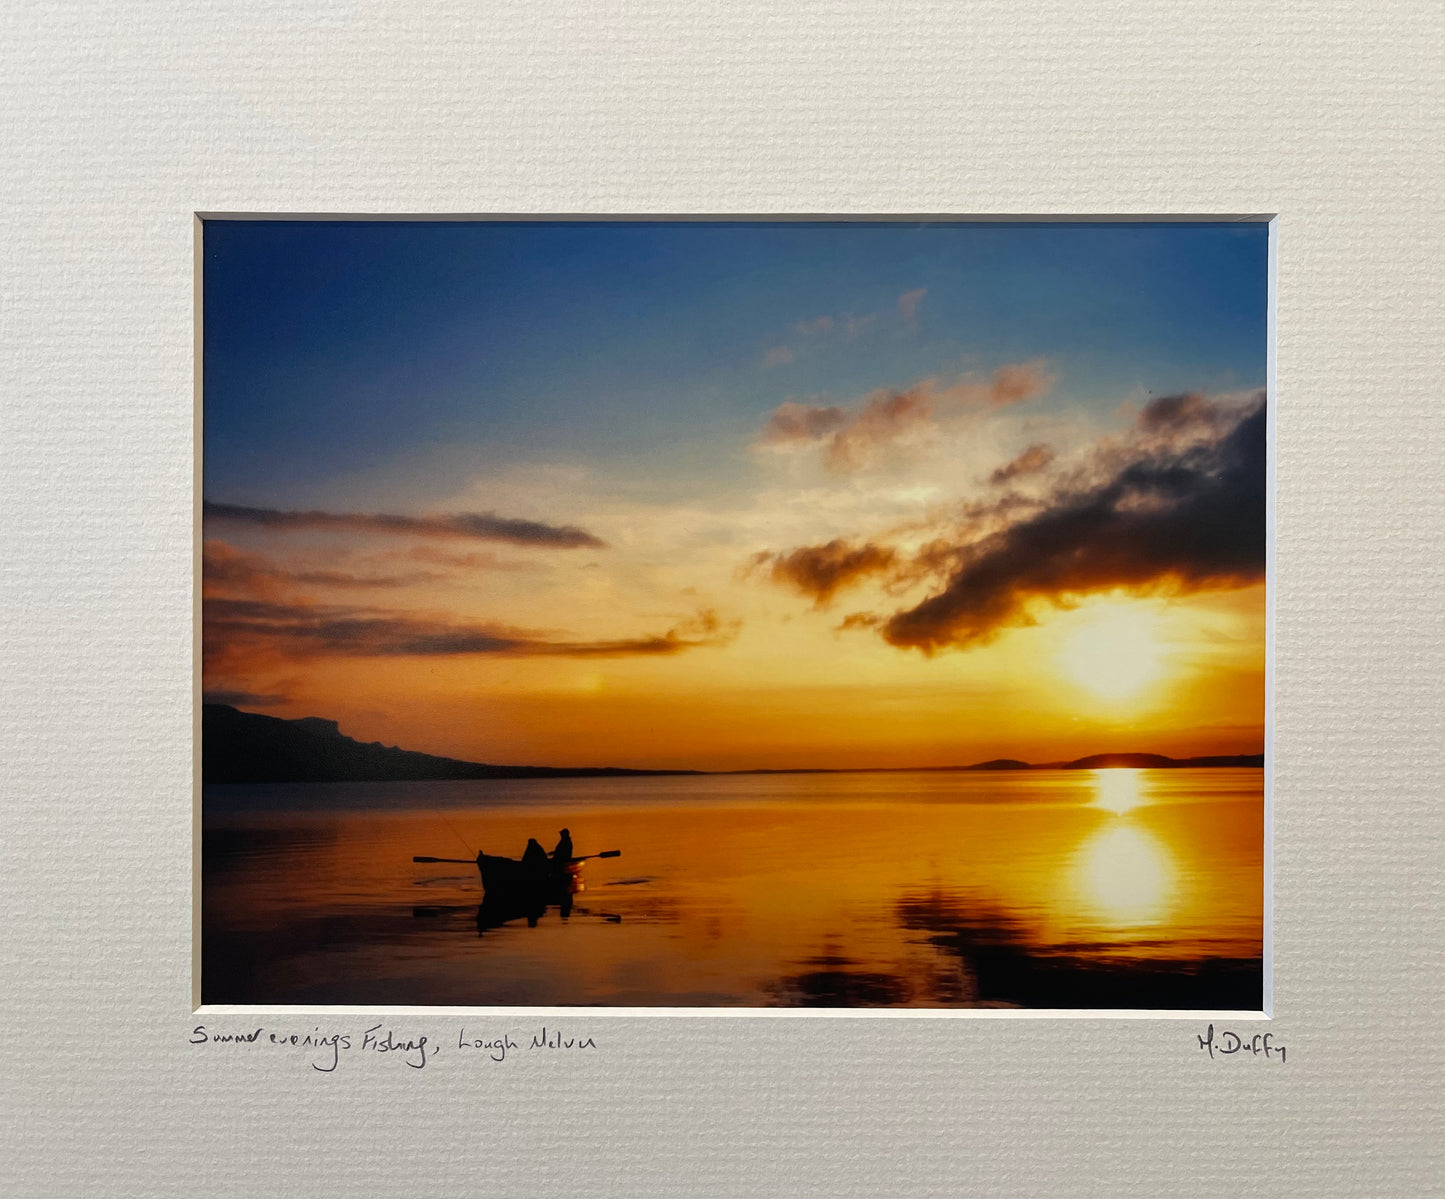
{"x":246,"y":747}
{"x":1154,"y":762}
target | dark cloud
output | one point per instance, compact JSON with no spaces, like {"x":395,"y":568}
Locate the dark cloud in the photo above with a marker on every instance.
{"x":820,"y":570}
{"x":1187,"y":518}
{"x":298,"y":629}
{"x":484,"y":526}
{"x":1167,"y":414}
{"x":1176,"y":503}
{"x":1029,"y":462}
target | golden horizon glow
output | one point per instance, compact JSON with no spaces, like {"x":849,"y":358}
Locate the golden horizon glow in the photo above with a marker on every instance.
{"x":793,"y":693}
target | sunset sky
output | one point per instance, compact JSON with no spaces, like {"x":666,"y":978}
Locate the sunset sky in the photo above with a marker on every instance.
{"x":724,"y":495}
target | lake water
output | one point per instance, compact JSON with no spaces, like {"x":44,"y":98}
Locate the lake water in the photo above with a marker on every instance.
{"x":1040,"y":889}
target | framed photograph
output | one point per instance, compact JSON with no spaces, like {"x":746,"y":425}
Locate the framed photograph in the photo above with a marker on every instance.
{"x":889,"y":597}
{"x":897,"y":549}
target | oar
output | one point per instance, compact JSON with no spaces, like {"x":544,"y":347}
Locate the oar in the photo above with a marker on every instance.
{"x":608,"y":853}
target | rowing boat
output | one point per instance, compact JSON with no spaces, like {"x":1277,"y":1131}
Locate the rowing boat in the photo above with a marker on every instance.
{"x":509,"y":876}
{"x":547,"y":877}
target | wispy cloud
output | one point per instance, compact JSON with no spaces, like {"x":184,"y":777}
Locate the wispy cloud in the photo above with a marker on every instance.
{"x":223,"y":567}
{"x":302,"y":630}
{"x":847,"y":325}
{"x":483,"y":526}
{"x":815,"y":327}
{"x":908,"y":303}
{"x":1029,"y":462}
{"x":855,"y":437}
{"x":448,"y":560}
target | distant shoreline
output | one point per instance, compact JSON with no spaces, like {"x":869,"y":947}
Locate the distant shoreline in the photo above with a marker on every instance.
{"x":248,"y":747}
{"x":1092,"y":762}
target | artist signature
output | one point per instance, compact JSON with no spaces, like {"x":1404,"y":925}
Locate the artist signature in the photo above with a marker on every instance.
{"x":1226,"y":1044}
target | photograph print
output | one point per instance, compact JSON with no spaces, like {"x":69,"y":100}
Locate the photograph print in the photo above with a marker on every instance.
{"x":733,"y":613}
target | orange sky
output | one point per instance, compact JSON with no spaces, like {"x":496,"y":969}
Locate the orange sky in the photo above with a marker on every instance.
{"x":773,"y":680}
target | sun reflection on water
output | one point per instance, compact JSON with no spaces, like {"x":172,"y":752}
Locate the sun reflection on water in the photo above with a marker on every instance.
{"x":1126,"y":875}
{"x":1118,"y":790}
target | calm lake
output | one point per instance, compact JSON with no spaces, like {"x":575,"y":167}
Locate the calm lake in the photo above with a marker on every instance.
{"x":1039,"y":889}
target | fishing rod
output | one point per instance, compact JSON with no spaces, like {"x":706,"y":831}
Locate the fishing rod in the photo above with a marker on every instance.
{"x":467,"y":845}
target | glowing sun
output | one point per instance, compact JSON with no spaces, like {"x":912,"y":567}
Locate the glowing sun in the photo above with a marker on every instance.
{"x":1114,"y":652}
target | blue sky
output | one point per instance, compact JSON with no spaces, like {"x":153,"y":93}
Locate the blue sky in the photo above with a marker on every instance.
{"x":334,"y":350}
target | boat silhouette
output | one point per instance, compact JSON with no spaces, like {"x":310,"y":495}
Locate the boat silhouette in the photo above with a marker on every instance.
{"x":515,"y":889}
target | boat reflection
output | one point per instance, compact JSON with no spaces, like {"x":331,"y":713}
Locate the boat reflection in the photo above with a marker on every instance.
{"x":500,"y":907}
{"x":497,"y":910}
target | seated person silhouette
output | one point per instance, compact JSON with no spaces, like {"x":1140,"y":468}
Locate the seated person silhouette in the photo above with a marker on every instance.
{"x":534,"y":857}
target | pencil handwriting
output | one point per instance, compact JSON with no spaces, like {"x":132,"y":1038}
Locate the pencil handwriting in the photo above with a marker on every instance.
{"x":325,"y":1048}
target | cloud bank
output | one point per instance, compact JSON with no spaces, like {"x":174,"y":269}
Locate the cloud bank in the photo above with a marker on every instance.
{"x":1187,"y":522}
{"x":1176,"y":505}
